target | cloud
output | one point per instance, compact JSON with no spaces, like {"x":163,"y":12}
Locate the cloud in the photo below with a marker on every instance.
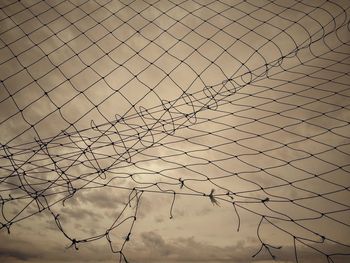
{"x":150,"y":246}
{"x":104,"y":199}
{"x":14,"y":254}
{"x":14,"y":249}
{"x":155,"y":248}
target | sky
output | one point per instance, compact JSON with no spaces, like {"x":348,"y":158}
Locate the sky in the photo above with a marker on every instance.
{"x":174,"y":131}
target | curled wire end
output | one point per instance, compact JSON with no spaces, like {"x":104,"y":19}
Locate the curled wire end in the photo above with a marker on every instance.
{"x":212,"y":198}
{"x":182,"y":183}
{"x":8,"y":229}
{"x":93,"y":126}
{"x":74,"y":244}
{"x":265,"y":200}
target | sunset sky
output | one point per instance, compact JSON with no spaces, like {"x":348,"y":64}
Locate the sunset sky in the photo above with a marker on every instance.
{"x":174,"y":131}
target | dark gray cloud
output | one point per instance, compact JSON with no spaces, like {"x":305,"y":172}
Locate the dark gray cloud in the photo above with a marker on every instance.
{"x":11,"y":254}
{"x":152,"y":247}
{"x":18,"y":249}
{"x":156,"y":249}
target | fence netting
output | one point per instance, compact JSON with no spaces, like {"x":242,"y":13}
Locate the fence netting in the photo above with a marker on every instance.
{"x":244,"y":104}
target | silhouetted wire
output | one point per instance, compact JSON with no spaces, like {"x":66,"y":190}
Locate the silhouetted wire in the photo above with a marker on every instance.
{"x":197,"y":127}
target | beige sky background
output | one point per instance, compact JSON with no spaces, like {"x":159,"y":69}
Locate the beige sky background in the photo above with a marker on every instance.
{"x":199,"y":118}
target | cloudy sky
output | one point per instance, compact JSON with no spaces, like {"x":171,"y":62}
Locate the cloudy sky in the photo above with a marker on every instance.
{"x":174,"y":131}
